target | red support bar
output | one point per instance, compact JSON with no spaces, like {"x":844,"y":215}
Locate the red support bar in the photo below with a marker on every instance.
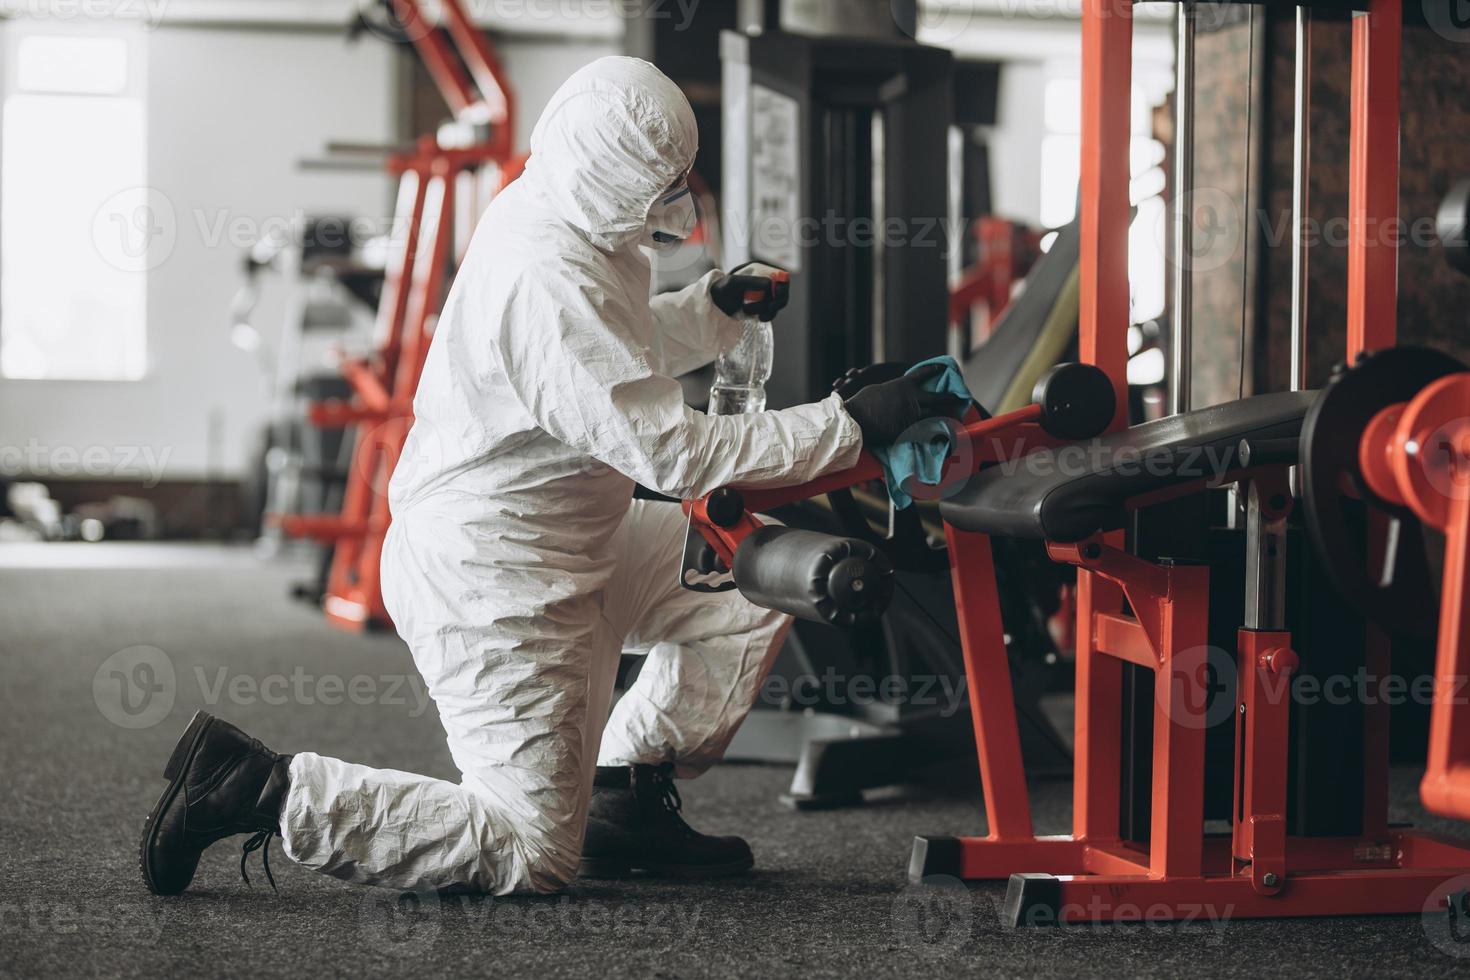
{"x":1265,"y":665}
{"x":335,"y":413}
{"x":1098,"y":723}
{"x":321,"y":527}
{"x":1373,"y":179}
{"x":1107,"y":78}
{"x":1115,"y":859}
{"x":445,"y":69}
{"x":479,"y":57}
{"x":366,"y":385}
{"x":1372,"y":293}
{"x":1124,"y":637}
{"x":1107,"y":74}
{"x":393,"y":303}
{"x":987,"y":671}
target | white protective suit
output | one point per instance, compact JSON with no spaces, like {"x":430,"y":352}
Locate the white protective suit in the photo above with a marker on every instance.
{"x":518,"y":565}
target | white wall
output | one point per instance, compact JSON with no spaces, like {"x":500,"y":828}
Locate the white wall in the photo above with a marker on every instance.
{"x":1015,"y":141}
{"x":229,"y":112}
{"x":1035,"y":43}
{"x":538,"y":66}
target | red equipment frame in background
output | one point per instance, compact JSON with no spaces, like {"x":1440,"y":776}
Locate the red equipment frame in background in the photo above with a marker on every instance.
{"x":463,"y":66}
{"x":1257,"y":870}
{"x":1007,"y":252}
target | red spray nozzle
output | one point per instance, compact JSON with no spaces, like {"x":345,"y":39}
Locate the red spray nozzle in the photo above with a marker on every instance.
{"x":777,"y":277}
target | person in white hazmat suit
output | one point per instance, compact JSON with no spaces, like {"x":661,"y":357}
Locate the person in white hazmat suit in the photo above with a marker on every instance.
{"x":518,"y":564}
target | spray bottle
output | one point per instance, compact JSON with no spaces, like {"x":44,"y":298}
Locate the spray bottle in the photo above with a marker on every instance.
{"x":743,"y":367}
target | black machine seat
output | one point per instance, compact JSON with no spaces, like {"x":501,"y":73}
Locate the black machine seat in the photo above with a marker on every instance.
{"x":1071,"y":492}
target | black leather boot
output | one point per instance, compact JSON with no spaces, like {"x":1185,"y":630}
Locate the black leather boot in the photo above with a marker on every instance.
{"x":633,"y":824}
{"x":221,"y":782}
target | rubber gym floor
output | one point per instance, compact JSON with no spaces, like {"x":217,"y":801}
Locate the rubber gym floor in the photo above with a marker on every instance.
{"x":828,"y":896}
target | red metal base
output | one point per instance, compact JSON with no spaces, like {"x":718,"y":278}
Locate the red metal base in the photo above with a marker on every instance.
{"x":1095,"y":876}
{"x":1058,"y":880}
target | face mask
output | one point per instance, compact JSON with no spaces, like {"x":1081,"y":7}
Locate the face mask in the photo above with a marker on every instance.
{"x":671,"y":219}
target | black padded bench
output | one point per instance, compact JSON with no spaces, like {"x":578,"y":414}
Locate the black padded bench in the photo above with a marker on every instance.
{"x":1071,"y":492}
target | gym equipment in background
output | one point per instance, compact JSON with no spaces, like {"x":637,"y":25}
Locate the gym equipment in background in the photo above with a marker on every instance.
{"x":1005,"y":251}
{"x":827,"y":141}
{"x":835,"y":155}
{"x":331,"y":286}
{"x":1261,"y":868}
{"x":1154,"y":614}
{"x":380,"y":411}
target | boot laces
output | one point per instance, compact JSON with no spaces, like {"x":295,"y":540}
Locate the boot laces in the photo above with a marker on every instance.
{"x":259,"y":841}
{"x":669,"y":792}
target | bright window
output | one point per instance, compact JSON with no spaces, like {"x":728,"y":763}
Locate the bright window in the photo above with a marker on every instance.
{"x":1061,"y":150}
{"x":78,"y":226}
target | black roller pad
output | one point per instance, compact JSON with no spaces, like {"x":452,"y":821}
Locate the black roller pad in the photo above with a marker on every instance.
{"x":1070,"y":492}
{"x":814,"y":576}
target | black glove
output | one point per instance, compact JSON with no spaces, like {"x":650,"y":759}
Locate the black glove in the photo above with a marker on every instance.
{"x":751,"y":289}
{"x":884,"y":411}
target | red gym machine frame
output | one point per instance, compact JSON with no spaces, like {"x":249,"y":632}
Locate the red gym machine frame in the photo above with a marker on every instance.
{"x":1007,"y":252}
{"x":1093,"y":875}
{"x":463,"y":66}
{"x":1258,"y":870}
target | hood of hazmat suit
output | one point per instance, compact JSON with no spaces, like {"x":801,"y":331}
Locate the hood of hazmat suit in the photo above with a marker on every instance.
{"x":547,"y":392}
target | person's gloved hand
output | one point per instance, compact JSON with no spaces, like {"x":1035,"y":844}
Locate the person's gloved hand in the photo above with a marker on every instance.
{"x":751,"y":290}
{"x":884,"y":411}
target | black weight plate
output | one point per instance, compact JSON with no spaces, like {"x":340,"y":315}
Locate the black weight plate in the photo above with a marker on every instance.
{"x":1401,"y":601}
{"x":1077,"y":401}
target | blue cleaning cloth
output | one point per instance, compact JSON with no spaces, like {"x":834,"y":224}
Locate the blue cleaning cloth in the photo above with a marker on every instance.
{"x":922,"y":456}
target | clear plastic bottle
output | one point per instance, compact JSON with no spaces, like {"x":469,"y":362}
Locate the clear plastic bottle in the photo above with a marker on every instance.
{"x":742,"y":370}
